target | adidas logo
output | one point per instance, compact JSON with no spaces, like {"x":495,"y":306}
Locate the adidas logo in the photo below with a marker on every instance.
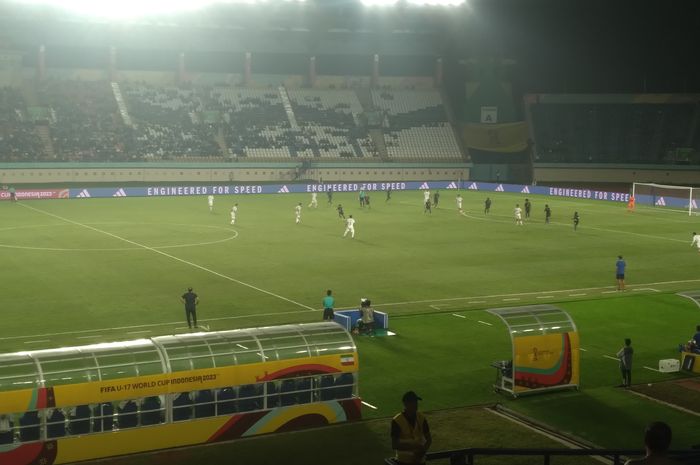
{"x":525,"y":190}
{"x":694,"y":204}
{"x":452,"y":185}
{"x":84,"y":194}
{"x":424,"y":186}
{"x":660,"y":202}
{"x":473,"y":187}
{"x":119,"y":193}
{"x":283,"y":190}
{"x":499,"y":188}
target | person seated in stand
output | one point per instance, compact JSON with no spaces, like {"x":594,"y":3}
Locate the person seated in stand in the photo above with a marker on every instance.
{"x":696,"y":338}
{"x":7,"y":429}
{"x":657,"y":440}
{"x":55,"y":423}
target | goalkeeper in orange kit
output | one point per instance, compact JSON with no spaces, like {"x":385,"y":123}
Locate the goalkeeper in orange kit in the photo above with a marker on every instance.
{"x":630,"y":204}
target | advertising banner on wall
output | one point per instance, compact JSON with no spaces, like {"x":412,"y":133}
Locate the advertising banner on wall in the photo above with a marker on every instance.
{"x":36,"y":194}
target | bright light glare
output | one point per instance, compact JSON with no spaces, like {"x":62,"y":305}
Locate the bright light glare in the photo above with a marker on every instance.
{"x":379,"y":2}
{"x":436,"y":2}
{"x":120,"y":9}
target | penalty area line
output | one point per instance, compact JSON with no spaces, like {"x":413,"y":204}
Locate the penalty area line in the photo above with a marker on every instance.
{"x":173,"y":257}
{"x":369,"y":405}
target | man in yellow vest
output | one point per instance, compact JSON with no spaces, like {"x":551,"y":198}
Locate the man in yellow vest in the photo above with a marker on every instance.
{"x":410,"y":435}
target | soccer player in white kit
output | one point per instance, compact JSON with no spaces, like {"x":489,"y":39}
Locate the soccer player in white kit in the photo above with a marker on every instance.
{"x":314,"y":200}
{"x":297,"y":212}
{"x":350,"y":227}
{"x":696,"y":240}
{"x":210,"y":199}
{"x":234,"y":210}
{"x":459,"y":203}
{"x":426,"y":196}
{"x":518,"y":212}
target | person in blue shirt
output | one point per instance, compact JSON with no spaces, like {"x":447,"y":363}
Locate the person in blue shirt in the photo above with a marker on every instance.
{"x":620,"y":266}
{"x":696,"y":338}
{"x":328,"y":304}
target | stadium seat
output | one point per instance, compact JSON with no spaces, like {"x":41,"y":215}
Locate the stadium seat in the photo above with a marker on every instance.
{"x":226,"y":401}
{"x":344,"y":386}
{"x":103,"y":417}
{"x":56,"y":424}
{"x":127,"y":415}
{"x":29,"y":426}
{"x":151,"y":413}
{"x":204,"y":404}
{"x":249,"y":398}
{"x":326,"y":387}
{"x":79,"y":420}
{"x":288,"y":395}
{"x":182,"y":407}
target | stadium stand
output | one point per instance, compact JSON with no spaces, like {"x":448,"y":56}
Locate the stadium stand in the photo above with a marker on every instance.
{"x":613,"y":132}
{"x":416,"y":125}
{"x":19,"y":140}
{"x":85,"y":123}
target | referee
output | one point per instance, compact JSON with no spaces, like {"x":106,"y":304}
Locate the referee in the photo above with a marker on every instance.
{"x":328,"y":304}
{"x":191,"y":301}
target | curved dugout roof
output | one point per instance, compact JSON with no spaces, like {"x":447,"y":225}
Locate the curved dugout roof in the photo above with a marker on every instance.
{"x":164,"y":354}
{"x":534,"y":320}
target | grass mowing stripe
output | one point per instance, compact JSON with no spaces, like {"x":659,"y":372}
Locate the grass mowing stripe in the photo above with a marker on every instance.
{"x":160,"y":252}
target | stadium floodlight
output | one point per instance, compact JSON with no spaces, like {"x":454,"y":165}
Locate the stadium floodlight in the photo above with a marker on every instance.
{"x":379,"y":2}
{"x":122,"y":9}
{"x":436,"y":2}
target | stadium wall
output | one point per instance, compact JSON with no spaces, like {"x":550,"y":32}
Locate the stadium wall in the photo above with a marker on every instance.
{"x":616,"y":174}
{"x":49,"y":173}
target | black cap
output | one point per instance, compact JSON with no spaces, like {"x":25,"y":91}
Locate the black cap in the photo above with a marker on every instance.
{"x":410,"y":396}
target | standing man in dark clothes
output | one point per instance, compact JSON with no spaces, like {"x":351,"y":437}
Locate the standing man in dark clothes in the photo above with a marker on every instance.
{"x":367,"y":200}
{"x":388,"y":194}
{"x":436,"y":198}
{"x":426,"y":208}
{"x":620,"y":266}
{"x":341,"y":214}
{"x":528,"y":207}
{"x":13,"y":194}
{"x":329,"y":193}
{"x":576,"y":220}
{"x":625,"y":357}
{"x":410,"y":434}
{"x":191,"y":301}
{"x":547,"y":213}
{"x":487,"y":205}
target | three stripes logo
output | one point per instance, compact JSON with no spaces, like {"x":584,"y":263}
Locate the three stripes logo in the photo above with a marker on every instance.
{"x":283,"y":190}
{"x":499,"y":188}
{"x":424,"y":186}
{"x":452,"y":185}
{"x":84,"y":194}
{"x":119,"y":193}
{"x":473,"y":187}
{"x":525,"y":190}
{"x":660,"y":202}
{"x":694,"y":204}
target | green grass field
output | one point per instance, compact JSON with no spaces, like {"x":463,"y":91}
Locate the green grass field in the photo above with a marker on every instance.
{"x":83,"y":271}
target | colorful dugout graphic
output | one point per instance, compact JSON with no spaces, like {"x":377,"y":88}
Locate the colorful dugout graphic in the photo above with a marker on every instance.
{"x":545,"y":350}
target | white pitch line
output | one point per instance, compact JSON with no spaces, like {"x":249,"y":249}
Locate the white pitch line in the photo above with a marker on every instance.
{"x":205,"y":327}
{"x":582,"y":349}
{"x":139,"y":332}
{"x":612,"y":358}
{"x":646,"y":289}
{"x":577,"y":295}
{"x":545,"y":297}
{"x":173,"y":257}
{"x":652,"y":369}
{"x":37,"y":342}
{"x":90,"y":337}
{"x":458,"y":315}
{"x":485,"y":323}
{"x":511,"y":299}
{"x":610,"y":292}
{"x":476,"y":302}
{"x":369,"y":405}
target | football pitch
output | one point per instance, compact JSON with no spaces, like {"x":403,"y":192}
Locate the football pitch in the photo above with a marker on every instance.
{"x":92,"y":270}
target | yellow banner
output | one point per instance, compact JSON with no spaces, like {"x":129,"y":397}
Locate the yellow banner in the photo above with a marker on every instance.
{"x":546,"y":361}
{"x":506,"y":137}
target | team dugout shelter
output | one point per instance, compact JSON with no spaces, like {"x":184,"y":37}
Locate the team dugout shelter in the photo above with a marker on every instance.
{"x":545,"y":350}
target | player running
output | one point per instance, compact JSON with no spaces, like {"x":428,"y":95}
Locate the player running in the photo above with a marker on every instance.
{"x":696,"y":240}
{"x":518,"y":213}
{"x":314,"y":200}
{"x":329,"y":194}
{"x":436,"y":198}
{"x":388,"y":194}
{"x":459,"y":203}
{"x":427,"y":207}
{"x":576,"y":220}
{"x":547,"y":213}
{"x":528,"y":207}
{"x":297,"y":213}
{"x":341,"y":213}
{"x":487,"y":206}
{"x":210,"y":200}
{"x":234,"y":211}
{"x":350,"y":227}
{"x":426,"y":196}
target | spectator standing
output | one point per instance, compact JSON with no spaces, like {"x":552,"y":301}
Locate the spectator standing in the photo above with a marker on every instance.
{"x":620,"y":266}
{"x":328,"y":304}
{"x":191,"y":300}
